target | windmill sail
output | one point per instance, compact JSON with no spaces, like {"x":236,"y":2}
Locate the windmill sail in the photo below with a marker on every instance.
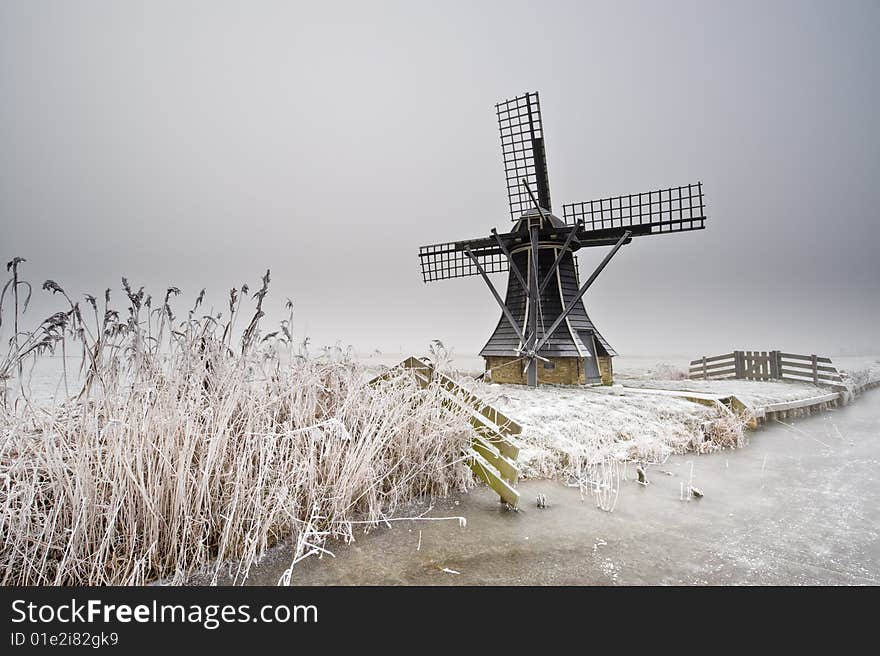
{"x":676,"y":209}
{"x":522,"y":147}
{"x":450,"y":259}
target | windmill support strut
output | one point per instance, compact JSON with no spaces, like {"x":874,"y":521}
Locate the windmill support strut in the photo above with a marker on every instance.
{"x":513,"y":266}
{"x":504,"y":309}
{"x":552,"y":272}
{"x":534,"y":304}
{"x":582,"y":290}
{"x":525,"y":184}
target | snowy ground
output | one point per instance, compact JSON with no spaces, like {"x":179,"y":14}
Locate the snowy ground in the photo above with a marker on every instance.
{"x":566,"y":430}
{"x":569,"y":430}
{"x":754,"y":394}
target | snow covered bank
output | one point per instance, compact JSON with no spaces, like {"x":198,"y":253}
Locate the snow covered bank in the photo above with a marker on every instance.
{"x":753,"y":393}
{"x":569,"y":429}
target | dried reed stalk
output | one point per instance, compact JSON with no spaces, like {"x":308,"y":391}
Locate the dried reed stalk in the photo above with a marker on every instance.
{"x":186,"y":448}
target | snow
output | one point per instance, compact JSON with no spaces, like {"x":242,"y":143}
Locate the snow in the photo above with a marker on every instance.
{"x":753,"y":393}
{"x":569,"y":431}
{"x":566,"y":429}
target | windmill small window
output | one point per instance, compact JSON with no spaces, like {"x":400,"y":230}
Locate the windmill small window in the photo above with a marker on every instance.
{"x":543,"y":318}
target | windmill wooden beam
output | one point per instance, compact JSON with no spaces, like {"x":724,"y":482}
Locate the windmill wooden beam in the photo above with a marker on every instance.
{"x":504,"y":309}
{"x":583,"y":290}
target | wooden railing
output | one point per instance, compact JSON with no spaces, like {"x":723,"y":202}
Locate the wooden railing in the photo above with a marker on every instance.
{"x":766,"y":365}
{"x":493,"y":451}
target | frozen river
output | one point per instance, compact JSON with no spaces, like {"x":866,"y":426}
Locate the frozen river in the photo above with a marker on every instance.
{"x":800,"y":505}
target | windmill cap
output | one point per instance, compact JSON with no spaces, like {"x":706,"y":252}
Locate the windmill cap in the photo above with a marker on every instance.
{"x":555,"y":221}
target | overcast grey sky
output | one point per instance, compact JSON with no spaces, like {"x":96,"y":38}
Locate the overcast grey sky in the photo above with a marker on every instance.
{"x":198,"y":144}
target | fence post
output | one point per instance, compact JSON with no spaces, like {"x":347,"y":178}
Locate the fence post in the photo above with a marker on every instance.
{"x":815,"y":369}
{"x":774,"y":365}
{"x":705,"y":373}
{"x":737,"y":364}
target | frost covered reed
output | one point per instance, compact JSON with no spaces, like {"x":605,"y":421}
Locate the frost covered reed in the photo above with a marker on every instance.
{"x":182,"y":447}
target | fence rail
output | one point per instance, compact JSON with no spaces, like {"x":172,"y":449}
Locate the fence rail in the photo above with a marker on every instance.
{"x":766,"y":365}
{"x":493,"y":452}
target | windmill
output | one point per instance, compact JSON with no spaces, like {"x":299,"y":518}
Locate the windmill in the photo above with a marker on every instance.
{"x":544,"y":333}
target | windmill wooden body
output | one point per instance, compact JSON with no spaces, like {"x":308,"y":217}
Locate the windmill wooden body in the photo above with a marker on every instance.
{"x":544,"y":333}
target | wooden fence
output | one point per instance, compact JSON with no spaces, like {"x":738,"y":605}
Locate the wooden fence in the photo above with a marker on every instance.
{"x":766,"y":365}
{"x":493,"y":452}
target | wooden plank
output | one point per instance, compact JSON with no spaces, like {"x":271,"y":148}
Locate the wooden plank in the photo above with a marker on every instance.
{"x":758,"y":363}
{"x":774,"y":364}
{"x":490,"y":476}
{"x":474,"y":401}
{"x":479,"y":419}
{"x":686,"y":394}
{"x":723,"y":372}
{"x":807,"y":376}
{"x":710,"y":374}
{"x":728,"y":400}
{"x":725,"y":375}
{"x":417,"y":365}
{"x":491,"y":454}
{"x":508,"y":470}
{"x":504,"y":423}
{"x":801,"y":403}
{"x":806,"y":357}
{"x":714,"y":365}
{"x":422,"y":372}
{"x":487,"y":430}
{"x":809,"y":367}
{"x":809,"y":371}
{"x":713,"y":358}
{"x":734,"y":403}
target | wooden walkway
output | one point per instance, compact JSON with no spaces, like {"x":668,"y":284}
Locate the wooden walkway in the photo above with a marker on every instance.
{"x":761,"y":414}
{"x":729,"y":401}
